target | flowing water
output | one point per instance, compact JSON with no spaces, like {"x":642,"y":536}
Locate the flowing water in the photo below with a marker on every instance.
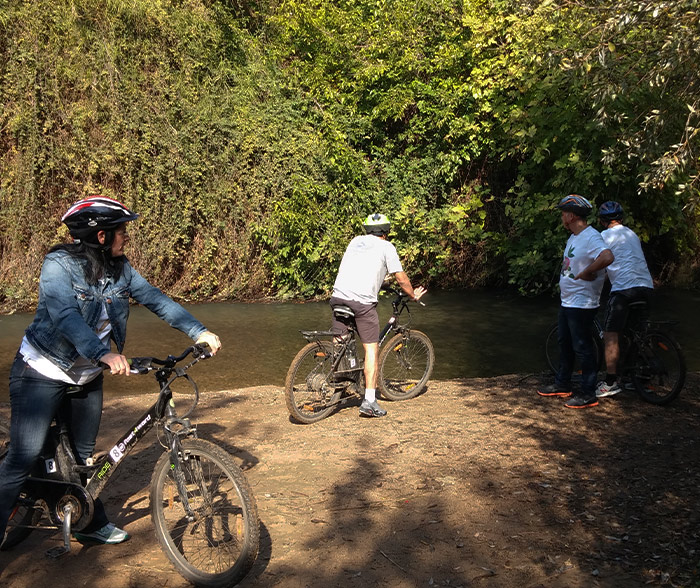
{"x":475,"y":333}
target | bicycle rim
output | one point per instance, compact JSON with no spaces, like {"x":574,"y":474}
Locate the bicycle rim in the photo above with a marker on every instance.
{"x":308,"y":389}
{"x":405,"y":365}
{"x":659,"y":369}
{"x":218,"y":546}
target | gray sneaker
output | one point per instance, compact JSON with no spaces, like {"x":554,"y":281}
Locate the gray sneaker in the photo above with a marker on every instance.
{"x":109,"y":534}
{"x":371,"y":409}
{"x":604,"y":390}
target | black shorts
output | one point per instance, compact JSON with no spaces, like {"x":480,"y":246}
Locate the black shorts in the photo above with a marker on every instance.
{"x":617,"y":310}
{"x":366,"y":320}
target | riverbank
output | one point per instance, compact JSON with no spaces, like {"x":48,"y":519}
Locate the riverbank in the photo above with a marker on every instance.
{"x":477,"y":482}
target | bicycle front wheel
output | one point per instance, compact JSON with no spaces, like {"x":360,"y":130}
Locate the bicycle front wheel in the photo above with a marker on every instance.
{"x":308,"y":390}
{"x":214,"y":542}
{"x":405,"y":365}
{"x":659,"y":368}
{"x":24,"y":514}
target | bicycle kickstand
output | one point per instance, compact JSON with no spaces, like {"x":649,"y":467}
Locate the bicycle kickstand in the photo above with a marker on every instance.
{"x":59,"y":550}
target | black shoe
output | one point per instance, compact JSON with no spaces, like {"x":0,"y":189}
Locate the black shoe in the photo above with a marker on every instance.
{"x":554,"y":390}
{"x":581,"y":402}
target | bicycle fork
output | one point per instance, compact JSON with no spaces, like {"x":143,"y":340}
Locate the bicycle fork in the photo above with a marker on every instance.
{"x":178,"y":458}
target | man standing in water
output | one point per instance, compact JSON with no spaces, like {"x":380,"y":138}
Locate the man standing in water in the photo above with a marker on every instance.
{"x":581,"y":282}
{"x":366,"y":262}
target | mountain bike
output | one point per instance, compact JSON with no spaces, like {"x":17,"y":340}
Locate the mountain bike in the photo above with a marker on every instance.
{"x":651,"y":360}
{"x":202,"y":507}
{"x":327,"y":373}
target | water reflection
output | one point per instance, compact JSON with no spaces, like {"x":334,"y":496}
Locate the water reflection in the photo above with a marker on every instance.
{"x":475,"y":333}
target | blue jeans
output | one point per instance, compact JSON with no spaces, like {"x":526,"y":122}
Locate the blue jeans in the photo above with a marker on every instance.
{"x":575,"y":339}
{"x":34,"y":400}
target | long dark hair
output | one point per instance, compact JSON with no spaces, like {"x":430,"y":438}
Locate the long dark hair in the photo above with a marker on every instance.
{"x":97,"y":263}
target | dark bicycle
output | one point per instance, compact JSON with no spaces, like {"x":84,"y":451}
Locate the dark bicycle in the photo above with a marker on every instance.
{"x":203,"y":509}
{"x":651,"y":360}
{"x":327,"y":372}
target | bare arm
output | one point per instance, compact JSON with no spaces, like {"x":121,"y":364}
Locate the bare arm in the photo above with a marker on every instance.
{"x":405,"y":283}
{"x":605,"y":258}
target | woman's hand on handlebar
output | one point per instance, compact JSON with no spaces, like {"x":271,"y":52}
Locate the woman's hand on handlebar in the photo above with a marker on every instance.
{"x":210,"y":339}
{"x":118,"y":364}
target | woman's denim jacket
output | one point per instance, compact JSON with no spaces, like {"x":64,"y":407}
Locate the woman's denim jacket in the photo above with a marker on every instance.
{"x":69,"y":309}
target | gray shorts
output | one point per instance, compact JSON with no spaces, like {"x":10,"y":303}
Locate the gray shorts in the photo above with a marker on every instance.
{"x":366,"y":320}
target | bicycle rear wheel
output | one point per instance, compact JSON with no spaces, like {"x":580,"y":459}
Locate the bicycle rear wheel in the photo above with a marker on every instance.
{"x":308,"y":389}
{"x":217,"y":545}
{"x":405,"y":365}
{"x":24,"y":512}
{"x":659,"y":368}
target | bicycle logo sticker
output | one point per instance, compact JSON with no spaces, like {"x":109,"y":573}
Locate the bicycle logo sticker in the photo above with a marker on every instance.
{"x":118,"y":451}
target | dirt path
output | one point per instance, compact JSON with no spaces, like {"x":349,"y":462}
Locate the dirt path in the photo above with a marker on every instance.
{"x":475,"y":483}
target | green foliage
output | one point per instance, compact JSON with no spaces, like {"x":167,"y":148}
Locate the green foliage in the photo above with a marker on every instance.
{"x":253,"y":137}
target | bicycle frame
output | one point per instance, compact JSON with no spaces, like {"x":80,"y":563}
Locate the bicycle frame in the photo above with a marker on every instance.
{"x":162,"y":409}
{"x":100,"y":471}
{"x":399,"y":304}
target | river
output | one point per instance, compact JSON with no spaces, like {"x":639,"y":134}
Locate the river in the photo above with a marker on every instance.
{"x":475,"y":333}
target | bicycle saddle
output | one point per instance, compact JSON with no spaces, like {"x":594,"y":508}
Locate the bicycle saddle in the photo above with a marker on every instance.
{"x":343,"y":311}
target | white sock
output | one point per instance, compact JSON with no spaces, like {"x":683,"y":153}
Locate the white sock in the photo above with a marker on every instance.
{"x":370,"y":394}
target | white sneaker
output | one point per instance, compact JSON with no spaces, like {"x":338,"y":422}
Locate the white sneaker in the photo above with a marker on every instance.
{"x":604,"y":390}
{"x":109,"y":534}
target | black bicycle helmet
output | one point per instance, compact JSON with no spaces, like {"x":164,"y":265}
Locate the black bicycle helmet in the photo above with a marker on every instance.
{"x":576,"y":204}
{"x":610,"y":210}
{"x":376,"y":224}
{"x":88,"y":216}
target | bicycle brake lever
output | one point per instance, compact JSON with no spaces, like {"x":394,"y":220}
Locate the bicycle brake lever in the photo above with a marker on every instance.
{"x":201,"y":351}
{"x":140,"y":365}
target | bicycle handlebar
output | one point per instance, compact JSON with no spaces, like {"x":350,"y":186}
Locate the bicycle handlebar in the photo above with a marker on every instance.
{"x":399,"y":292}
{"x":144,"y":365}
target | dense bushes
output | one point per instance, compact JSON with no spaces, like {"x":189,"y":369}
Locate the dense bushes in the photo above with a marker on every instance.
{"x":253,"y":137}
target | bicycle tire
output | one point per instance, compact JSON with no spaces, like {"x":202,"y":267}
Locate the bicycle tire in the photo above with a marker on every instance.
{"x":405,"y":365}
{"x":23,"y":514}
{"x":658,"y":370}
{"x":219,"y":546}
{"x":551,"y":351}
{"x":307,"y":389}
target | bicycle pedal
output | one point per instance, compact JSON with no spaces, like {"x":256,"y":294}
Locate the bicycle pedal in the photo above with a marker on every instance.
{"x":58,"y":551}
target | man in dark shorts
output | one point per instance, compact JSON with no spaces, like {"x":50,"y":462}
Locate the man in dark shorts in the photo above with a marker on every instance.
{"x":630,"y":282}
{"x":366,"y":262}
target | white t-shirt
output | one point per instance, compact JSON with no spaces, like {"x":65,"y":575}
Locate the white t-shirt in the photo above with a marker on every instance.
{"x":366,"y":262}
{"x":83,"y":370}
{"x":629,"y":270}
{"x":581,"y":250}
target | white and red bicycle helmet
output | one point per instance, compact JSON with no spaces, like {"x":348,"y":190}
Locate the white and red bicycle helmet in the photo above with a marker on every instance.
{"x":86,"y":217}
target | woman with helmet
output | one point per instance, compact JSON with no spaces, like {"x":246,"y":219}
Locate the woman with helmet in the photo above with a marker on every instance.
{"x":366,"y":262}
{"x":84,"y":292}
{"x":580,"y":283}
{"x":630,"y":281}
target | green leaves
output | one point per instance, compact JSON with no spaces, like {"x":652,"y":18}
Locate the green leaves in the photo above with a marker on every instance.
{"x":254,"y":137}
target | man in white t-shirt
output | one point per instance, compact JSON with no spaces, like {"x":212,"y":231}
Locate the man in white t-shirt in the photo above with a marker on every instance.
{"x":630,"y":282}
{"x":366,"y":262}
{"x":580,"y":282}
